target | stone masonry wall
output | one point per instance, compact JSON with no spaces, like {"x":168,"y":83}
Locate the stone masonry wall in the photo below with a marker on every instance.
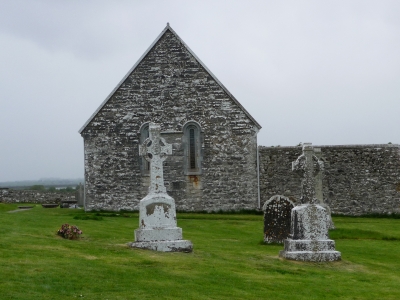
{"x":170,"y":87}
{"x":27,"y":196}
{"x":359,"y":179}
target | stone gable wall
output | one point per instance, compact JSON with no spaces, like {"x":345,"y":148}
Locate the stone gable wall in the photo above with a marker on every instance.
{"x":359,"y":179}
{"x":170,"y":87}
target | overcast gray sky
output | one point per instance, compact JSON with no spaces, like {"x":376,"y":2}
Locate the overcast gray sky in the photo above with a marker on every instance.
{"x":326,"y":72}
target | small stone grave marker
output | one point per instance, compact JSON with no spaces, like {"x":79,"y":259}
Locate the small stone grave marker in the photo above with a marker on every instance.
{"x":25,"y":207}
{"x":277,"y":213}
{"x":67,"y":203}
{"x":50,"y":205}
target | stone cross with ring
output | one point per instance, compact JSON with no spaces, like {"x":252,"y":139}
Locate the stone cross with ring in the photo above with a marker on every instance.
{"x":310,"y":166}
{"x":155,"y":150}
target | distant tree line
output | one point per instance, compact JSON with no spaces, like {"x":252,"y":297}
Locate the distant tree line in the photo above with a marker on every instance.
{"x":42,"y":188}
{"x":47,"y":182}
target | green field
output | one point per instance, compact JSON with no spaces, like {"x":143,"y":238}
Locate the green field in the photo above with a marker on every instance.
{"x":229,"y":260}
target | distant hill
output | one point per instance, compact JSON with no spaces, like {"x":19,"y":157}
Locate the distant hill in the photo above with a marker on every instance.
{"x":47,"y":182}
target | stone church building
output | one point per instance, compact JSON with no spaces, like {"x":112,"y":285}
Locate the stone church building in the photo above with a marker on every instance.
{"x":214,"y":139}
{"x":215,"y":162}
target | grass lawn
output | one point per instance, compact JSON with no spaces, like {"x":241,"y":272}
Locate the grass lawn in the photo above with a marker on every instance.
{"x":229,"y":260}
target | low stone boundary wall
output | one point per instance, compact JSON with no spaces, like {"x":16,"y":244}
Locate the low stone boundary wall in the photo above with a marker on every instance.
{"x":28,"y":196}
{"x":358,"y":179}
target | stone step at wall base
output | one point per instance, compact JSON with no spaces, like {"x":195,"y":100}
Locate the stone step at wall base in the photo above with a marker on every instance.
{"x":165,"y":246}
{"x":312,"y":256}
{"x":309,"y":245}
{"x":162,"y":234}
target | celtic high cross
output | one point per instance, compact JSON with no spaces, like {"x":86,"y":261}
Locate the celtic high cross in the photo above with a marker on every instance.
{"x":309,"y":166}
{"x":155,"y":150}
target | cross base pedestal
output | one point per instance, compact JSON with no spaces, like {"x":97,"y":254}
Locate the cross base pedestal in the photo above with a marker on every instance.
{"x":312,"y":256}
{"x":165,"y":246}
{"x":310,"y":250}
{"x":158,"y":230}
{"x":162,"y":234}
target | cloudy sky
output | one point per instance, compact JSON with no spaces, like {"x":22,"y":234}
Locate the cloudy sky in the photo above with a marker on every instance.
{"x":326,"y":72}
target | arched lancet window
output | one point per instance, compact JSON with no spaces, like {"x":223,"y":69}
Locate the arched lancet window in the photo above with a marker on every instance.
{"x":192,"y":148}
{"x":144,"y":134}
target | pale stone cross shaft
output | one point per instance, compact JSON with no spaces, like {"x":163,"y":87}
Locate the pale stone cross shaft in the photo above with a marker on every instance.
{"x":155,"y":150}
{"x":305,"y":164}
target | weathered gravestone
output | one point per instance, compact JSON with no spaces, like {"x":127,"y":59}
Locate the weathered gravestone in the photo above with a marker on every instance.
{"x":277,"y":213}
{"x":157,"y":214}
{"x":309,"y":239}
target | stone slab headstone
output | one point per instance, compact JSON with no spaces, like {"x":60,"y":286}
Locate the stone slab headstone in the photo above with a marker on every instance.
{"x":157,"y":214}
{"x":277,"y":215}
{"x":309,"y":240}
